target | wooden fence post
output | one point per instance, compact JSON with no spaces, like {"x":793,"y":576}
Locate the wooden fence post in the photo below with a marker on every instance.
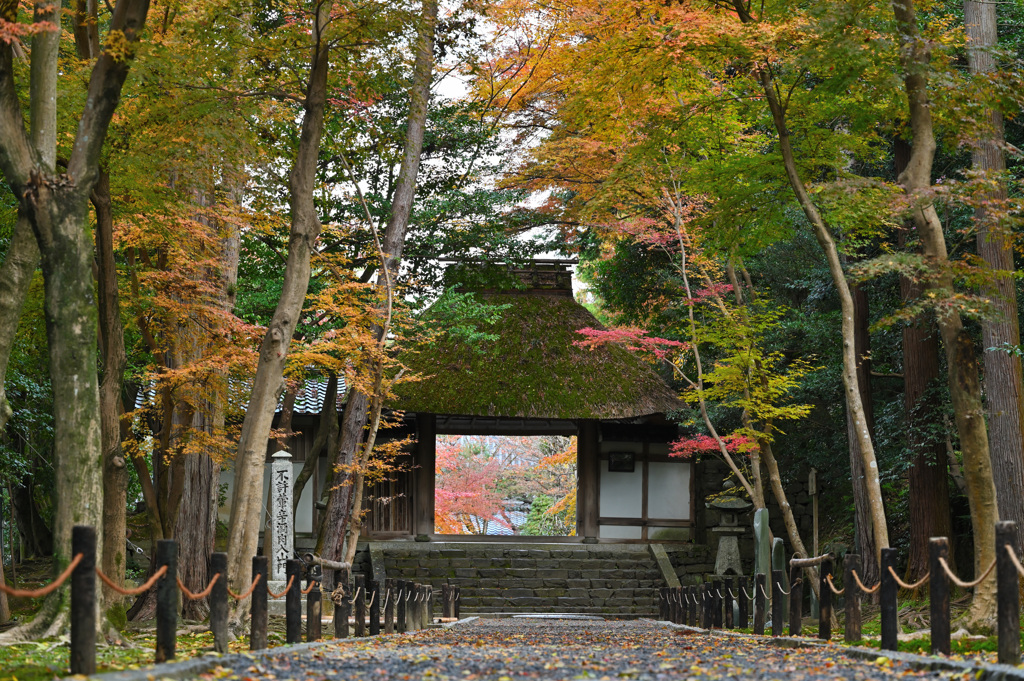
{"x":83,"y":601}
{"x":375,"y":596}
{"x":759,"y":604}
{"x":744,"y":602}
{"x":1008,"y":593}
{"x":851,"y":607}
{"x":293,"y":601}
{"x":402,"y":606}
{"x":662,"y":602}
{"x":778,"y":626}
{"x":258,"y":608}
{"x":389,"y":606}
{"x":825,"y":601}
{"x":166,"y":600}
{"x":887,"y":596}
{"x":727,"y":595}
{"x":458,"y":602}
{"x":219,"y":602}
{"x":430,"y":604}
{"x":314,"y":606}
{"x":796,"y":601}
{"x":343,"y":609}
{"x":359,"y":584}
{"x":708,"y":603}
{"x":716,"y":603}
{"x":938,"y":594}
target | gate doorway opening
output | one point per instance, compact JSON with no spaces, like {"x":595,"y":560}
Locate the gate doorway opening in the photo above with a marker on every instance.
{"x":492,"y":485}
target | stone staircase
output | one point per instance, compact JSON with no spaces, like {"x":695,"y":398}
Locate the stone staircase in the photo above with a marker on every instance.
{"x":601,"y":579}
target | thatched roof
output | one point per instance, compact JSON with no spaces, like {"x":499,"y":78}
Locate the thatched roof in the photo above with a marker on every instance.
{"x":533,"y":370}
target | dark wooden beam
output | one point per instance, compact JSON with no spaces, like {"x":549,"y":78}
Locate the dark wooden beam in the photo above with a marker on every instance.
{"x":423,"y":475}
{"x":588,"y":476}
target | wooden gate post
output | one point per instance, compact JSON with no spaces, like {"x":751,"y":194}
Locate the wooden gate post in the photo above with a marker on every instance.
{"x":888,"y":592}
{"x":759,"y":604}
{"x":166,"y":600}
{"x":401,"y":606}
{"x":851,"y":564}
{"x":716,"y":603}
{"x":258,"y":607}
{"x":1008,"y":594}
{"x":83,"y":601}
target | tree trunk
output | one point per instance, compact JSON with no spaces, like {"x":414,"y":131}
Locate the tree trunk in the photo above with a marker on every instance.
{"x":20,"y":263}
{"x":247,"y":499}
{"x":57,"y":207}
{"x":339,"y":505}
{"x":115,"y":472}
{"x":823,"y":234}
{"x":5,"y":609}
{"x":961,"y":354}
{"x":861,"y":500}
{"x":1003,"y":382}
{"x":928,"y":479}
{"x":36,"y":537}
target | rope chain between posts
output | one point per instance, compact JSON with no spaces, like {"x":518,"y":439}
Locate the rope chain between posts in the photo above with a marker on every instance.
{"x":750,"y":595}
{"x":49,"y":588}
{"x":373,"y":597}
{"x":387,"y":599}
{"x":309,"y":588}
{"x":731,"y":594}
{"x":141,"y":589}
{"x":904,"y":585}
{"x":761,"y":587}
{"x":1014,"y":559}
{"x":202,"y":594}
{"x":786,"y":593}
{"x":287,"y":588}
{"x":956,"y":580}
{"x":837,"y":592}
{"x":861,"y":586}
{"x":248,"y":592}
{"x":719,"y":593}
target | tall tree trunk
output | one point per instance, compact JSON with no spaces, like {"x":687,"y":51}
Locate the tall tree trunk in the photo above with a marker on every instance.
{"x":823,"y":235}
{"x":928,"y":479}
{"x":861,"y":500}
{"x":328,"y":424}
{"x":1003,"y":382}
{"x":247,"y":499}
{"x":115,"y":472}
{"x":345,"y":503}
{"x":961,"y":354}
{"x":35,"y":535}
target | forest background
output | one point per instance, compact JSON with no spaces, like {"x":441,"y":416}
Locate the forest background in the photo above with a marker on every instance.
{"x":805,"y":213}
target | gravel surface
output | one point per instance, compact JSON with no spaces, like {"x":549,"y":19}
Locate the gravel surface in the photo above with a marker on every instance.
{"x":513,"y":649}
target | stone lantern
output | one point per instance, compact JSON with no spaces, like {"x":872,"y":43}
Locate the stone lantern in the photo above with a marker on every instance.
{"x":729,"y":505}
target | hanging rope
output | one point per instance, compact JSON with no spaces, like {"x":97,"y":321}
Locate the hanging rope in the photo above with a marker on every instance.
{"x":49,"y":588}
{"x":248,"y":592}
{"x":137,"y":590}
{"x":1014,"y":559}
{"x":904,"y":585}
{"x":202,"y":594}
{"x":750,"y":595}
{"x":837,"y":592}
{"x":731,"y":594}
{"x":719,"y":593}
{"x":761,"y":586}
{"x":956,"y":580}
{"x":786,"y":593}
{"x":860,"y":584}
{"x":287,"y":588}
{"x":308,"y":589}
{"x":373,"y":597}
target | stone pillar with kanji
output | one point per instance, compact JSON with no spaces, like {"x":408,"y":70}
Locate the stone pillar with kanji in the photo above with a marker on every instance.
{"x":282,"y":522}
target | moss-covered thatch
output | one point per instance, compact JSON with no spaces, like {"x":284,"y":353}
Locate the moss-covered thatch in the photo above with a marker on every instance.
{"x":533,"y":370}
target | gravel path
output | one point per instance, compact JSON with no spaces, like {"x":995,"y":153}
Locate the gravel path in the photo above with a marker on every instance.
{"x":514,"y":649}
